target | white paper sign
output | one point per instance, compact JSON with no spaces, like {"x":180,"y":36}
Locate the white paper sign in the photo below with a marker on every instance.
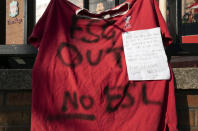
{"x":145,"y":55}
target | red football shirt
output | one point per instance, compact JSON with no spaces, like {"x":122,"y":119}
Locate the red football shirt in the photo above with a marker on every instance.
{"x":80,"y":80}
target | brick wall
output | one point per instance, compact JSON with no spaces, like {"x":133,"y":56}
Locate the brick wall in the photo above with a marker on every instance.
{"x":15,"y":110}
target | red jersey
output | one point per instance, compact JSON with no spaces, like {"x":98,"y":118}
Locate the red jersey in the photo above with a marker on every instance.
{"x":80,"y":80}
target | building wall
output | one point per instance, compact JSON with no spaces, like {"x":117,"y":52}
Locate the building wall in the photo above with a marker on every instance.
{"x":15,"y":99}
{"x":15,"y":110}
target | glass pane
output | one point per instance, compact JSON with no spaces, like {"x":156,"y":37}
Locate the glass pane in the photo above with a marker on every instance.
{"x":189,"y":21}
{"x":79,"y":3}
{"x":41,"y":5}
{"x":171,"y":18}
{"x":100,"y":5}
{"x":121,"y":1}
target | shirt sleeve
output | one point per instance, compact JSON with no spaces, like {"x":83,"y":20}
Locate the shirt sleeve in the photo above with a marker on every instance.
{"x":39,"y":29}
{"x":167,"y":39}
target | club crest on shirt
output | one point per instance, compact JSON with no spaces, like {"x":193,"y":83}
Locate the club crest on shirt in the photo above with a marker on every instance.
{"x":14,"y":10}
{"x":127,"y":22}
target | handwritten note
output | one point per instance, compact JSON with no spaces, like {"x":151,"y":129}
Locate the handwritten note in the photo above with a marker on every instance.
{"x":145,"y":55}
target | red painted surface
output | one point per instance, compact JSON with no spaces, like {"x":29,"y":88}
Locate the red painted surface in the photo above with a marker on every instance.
{"x":190,"y":39}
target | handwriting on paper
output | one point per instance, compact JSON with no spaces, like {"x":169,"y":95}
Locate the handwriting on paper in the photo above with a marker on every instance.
{"x":145,"y":55}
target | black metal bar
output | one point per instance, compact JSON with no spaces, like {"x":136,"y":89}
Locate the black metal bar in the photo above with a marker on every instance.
{"x":2,"y":21}
{"x":86,"y":4}
{"x":180,"y":49}
{"x":31,"y":16}
{"x":25,"y":21}
{"x":117,"y":2}
{"x":179,"y":21}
